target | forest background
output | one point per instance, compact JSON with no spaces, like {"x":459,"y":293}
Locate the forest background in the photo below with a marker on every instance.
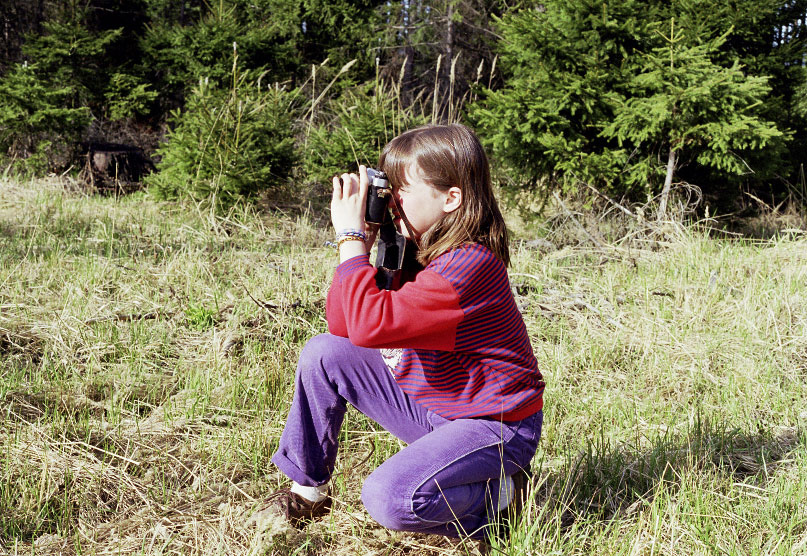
{"x":148,"y":339}
{"x":232,"y":97}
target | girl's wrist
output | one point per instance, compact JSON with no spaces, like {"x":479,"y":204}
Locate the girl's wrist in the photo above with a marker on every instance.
{"x":350,"y":247}
{"x":344,"y":239}
{"x":349,"y":231}
{"x":348,"y":234}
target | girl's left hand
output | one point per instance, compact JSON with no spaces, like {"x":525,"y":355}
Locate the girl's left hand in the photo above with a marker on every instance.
{"x":348,"y":203}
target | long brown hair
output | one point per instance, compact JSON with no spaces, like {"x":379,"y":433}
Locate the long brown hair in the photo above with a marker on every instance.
{"x":450,"y":156}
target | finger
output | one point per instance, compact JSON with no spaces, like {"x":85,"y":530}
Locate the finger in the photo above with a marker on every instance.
{"x":364,"y":181}
{"x":337,"y":188}
{"x":348,"y":188}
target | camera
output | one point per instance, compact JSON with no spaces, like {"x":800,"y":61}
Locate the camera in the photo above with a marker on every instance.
{"x":378,"y":196}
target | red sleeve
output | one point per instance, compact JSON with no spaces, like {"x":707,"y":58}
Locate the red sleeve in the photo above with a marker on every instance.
{"x":423,"y":314}
{"x":333,"y":309}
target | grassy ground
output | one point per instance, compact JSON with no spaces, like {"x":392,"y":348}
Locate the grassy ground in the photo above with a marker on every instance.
{"x":147,"y":354}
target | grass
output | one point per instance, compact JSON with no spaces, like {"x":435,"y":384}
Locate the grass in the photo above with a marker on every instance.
{"x":147,"y":352}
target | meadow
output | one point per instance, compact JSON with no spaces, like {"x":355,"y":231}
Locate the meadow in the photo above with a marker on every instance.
{"x":147,"y":355}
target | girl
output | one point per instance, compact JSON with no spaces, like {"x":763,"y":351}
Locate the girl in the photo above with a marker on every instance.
{"x":443,"y":363}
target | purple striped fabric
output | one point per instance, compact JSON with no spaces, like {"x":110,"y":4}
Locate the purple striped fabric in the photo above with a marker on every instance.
{"x":492,"y":371}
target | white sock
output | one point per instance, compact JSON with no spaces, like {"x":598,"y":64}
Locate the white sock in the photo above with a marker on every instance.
{"x":312,"y":494}
{"x":506,"y":492}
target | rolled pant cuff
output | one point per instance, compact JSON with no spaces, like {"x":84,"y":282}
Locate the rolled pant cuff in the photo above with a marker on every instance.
{"x":290,"y":469}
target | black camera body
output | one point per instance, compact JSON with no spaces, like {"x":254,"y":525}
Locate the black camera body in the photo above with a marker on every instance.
{"x":396,"y":254}
{"x":378,"y":197}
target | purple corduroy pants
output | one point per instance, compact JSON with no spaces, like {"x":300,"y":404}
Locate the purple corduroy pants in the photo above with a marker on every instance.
{"x":444,"y":482}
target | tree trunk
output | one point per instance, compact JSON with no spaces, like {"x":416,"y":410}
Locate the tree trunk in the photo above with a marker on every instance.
{"x":408,"y":79}
{"x":408,"y":14}
{"x":665,"y":192}
{"x":448,"y":48}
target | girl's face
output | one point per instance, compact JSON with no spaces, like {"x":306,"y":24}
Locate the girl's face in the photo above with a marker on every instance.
{"x":423,"y":204}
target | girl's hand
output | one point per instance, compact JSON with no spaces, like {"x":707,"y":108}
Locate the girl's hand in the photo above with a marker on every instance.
{"x":348,"y":206}
{"x":348,"y":203}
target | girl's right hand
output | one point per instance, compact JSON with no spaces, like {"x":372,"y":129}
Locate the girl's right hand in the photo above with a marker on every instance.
{"x":348,"y":203}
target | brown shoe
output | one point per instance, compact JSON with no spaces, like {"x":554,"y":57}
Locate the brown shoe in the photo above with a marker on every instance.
{"x":295,"y":508}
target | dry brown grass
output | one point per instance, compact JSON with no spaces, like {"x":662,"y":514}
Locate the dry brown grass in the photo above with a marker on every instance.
{"x":147,"y":351}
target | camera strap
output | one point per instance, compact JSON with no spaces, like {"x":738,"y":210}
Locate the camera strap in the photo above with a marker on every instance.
{"x":406,"y":222}
{"x":395,"y":254}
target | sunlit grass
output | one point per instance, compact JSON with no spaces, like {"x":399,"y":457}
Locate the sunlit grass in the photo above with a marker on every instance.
{"x":147,"y":352}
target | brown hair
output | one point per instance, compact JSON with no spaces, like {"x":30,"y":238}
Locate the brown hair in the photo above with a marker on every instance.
{"x":450,"y":156}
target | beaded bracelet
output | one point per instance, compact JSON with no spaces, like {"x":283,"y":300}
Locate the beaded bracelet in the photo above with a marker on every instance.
{"x":351,"y":233}
{"x":348,"y":234}
{"x":345,"y":239}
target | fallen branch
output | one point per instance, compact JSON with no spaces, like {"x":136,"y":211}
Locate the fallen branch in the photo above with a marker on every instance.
{"x":599,"y":243}
{"x":127,"y":318}
{"x":262,"y":304}
{"x":610,"y":200}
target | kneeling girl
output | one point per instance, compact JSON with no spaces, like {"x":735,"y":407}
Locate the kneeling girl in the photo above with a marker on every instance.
{"x":444,"y":362}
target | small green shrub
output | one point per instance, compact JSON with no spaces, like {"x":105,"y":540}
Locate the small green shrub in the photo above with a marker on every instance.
{"x":356,"y":126}
{"x":128,"y":96}
{"x":226,"y":146}
{"x":38,"y":128}
{"x":200,"y":317}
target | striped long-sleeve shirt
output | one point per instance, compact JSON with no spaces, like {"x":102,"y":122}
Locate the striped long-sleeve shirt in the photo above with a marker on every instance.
{"x":466,"y":350}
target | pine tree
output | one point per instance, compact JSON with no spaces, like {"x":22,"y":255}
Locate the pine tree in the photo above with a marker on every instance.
{"x":566,"y":66}
{"x":39,"y":123}
{"x":769,"y":38}
{"x":682,"y":102}
{"x":571,"y":68}
{"x":46,"y":101}
{"x":228,"y":144}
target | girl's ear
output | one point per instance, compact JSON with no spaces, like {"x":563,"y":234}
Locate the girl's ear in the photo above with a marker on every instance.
{"x":453,"y":199}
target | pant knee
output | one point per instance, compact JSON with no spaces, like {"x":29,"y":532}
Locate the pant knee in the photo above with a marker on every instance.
{"x":388,"y":502}
{"x":316,"y":360}
{"x":385,"y":504}
{"x":315,"y":351}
